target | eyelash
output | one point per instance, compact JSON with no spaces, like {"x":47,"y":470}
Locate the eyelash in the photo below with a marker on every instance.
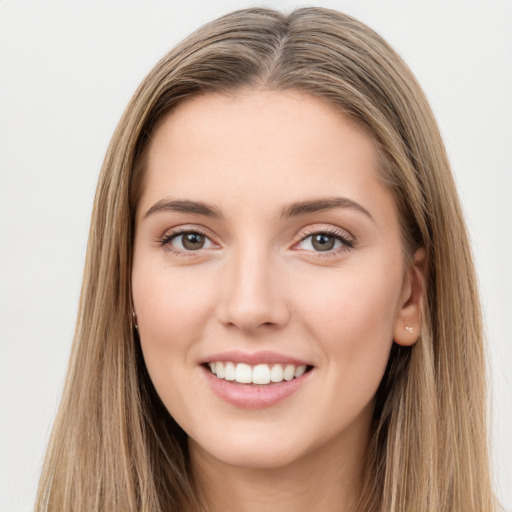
{"x":347,"y":242}
{"x":166,"y":240}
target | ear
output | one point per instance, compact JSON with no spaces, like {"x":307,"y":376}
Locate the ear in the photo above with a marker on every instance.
{"x":408,"y":320}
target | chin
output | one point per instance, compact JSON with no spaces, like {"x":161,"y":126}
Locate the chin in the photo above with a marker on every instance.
{"x":251,"y":451}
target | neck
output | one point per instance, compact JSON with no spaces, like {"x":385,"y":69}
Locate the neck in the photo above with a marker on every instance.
{"x":327,"y":479}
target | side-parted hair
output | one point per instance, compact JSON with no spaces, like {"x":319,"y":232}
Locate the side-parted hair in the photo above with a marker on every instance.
{"x":114,"y":446}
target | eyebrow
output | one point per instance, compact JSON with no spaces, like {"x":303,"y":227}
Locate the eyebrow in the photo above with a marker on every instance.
{"x":318,"y":205}
{"x":184,"y":206}
{"x":292,"y":210}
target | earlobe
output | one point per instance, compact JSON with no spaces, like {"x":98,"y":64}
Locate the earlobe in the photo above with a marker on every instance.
{"x":408,"y":320}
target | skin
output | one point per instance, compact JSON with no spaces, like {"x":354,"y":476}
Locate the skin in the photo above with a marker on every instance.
{"x":259,"y":283}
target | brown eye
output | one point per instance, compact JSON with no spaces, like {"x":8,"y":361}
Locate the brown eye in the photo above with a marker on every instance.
{"x":192,"y":241}
{"x":326,"y":242}
{"x":187,"y":241}
{"x":323,"y":242}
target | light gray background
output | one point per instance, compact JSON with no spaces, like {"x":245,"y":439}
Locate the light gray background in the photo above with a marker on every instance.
{"x":67,"y":70}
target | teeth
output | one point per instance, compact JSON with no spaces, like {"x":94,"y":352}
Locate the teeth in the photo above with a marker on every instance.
{"x":261,"y":374}
{"x":219,"y":370}
{"x":276,"y":374}
{"x":289,"y":372}
{"x":300,"y":370}
{"x":258,"y":374}
{"x":243,"y":373}
{"x":229,"y":371}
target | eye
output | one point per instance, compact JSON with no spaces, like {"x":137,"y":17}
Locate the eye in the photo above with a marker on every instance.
{"x":186,"y":241}
{"x":325,"y":241}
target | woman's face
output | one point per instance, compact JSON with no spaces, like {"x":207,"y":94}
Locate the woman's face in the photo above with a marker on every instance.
{"x":267,"y":247}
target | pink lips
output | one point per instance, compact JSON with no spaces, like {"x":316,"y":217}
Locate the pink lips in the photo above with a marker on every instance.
{"x":253,"y":396}
{"x":263,"y":357}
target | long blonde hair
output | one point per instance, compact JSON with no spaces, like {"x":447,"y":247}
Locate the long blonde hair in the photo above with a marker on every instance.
{"x":114,"y":446}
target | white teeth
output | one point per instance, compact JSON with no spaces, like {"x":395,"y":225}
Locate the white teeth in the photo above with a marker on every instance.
{"x":229,"y":371}
{"x":300,"y":370}
{"x":289,"y":372}
{"x":261,"y":374}
{"x":243,"y":373}
{"x":258,"y":374}
{"x":219,"y":370}
{"x":276,"y":374}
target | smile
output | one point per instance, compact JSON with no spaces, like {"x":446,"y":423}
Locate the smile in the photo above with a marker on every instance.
{"x":255,"y":381}
{"x":256,"y":374}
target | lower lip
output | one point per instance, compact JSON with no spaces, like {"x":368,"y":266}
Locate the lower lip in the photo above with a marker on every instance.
{"x":253,"y":396}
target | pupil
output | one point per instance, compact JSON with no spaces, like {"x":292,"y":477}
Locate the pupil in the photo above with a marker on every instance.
{"x":193,"y":241}
{"x":323,"y":242}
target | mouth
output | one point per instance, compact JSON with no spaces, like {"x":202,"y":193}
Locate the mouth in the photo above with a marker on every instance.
{"x":259,"y":374}
{"x":256,"y":380}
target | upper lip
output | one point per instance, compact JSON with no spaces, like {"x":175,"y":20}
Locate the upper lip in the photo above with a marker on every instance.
{"x":262,"y":357}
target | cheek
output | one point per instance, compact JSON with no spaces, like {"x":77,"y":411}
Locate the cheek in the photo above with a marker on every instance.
{"x":352,"y":301}
{"x":172,"y":309}
{"x":352,"y":318}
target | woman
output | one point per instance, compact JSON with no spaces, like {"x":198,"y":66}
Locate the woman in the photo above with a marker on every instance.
{"x":279,"y":309}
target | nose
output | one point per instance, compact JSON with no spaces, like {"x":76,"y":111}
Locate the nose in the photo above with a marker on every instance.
{"x":253,"y":293}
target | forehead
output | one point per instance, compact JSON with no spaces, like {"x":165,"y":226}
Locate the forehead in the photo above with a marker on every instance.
{"x":273,"y":145}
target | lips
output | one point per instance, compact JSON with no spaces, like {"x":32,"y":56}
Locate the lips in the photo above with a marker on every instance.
{"x":255,"y":380}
